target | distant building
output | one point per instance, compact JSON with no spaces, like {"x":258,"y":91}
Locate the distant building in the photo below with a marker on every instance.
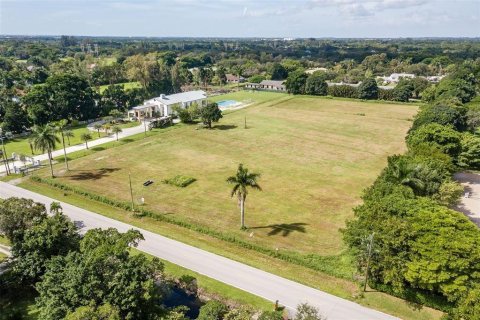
{"x":434,"y":79}
{"x":395,"y":77}
{"x":332,"y":84}
{"x":231,"y":78}
{"x":312,"y":70}
{"x":163,"y":105}
{"x":268,"y":85}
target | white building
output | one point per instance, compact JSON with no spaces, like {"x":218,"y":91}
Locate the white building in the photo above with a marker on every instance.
{"x":163,"y":106}
{"x":268,"y":85}
{"x":395,"y":77}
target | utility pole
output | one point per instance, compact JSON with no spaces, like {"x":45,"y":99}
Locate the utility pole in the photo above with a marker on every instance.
{"x":4,"y":152}
{"x":131,"y":191}
{"x":145,"y":123}
{"x":245,"y":125}
{"x":369,"y":244}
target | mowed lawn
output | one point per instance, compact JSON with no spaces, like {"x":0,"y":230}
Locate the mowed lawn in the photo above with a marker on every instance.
{"x":315,"y":155}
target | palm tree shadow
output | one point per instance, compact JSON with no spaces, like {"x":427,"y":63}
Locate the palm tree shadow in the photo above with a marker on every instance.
{"x":284,"y":229}
{"x":93,"y":174}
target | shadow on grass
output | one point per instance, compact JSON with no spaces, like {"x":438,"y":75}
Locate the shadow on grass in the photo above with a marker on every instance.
{"x":97,"y":148}
{"x":224,"y":127}
{"x":92,"y":174}
{"x":127,"y":140}
{"x":284,"y":229}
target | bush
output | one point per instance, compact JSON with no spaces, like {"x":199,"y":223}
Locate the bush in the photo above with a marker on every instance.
{"x":212,"y":310}
{"x":271,"y":315}
{"x":307,"y":312}
{"x":446,"y":138}
{"x":343,"y":91}
{"x":180,"y":181}
{"x":368,"y":89}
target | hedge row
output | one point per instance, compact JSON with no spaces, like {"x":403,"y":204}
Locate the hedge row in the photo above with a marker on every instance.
{"x":326,"y":264}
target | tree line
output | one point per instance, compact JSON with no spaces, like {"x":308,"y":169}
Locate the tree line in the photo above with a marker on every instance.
{"x":424,"y":250}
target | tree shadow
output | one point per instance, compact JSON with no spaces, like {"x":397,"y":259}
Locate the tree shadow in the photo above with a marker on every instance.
{"x":98,"y":148}
{"x":127,"y":140}
{"x":93,"y":174}
{"x":224,"y":127}
{"x":284,"y":229}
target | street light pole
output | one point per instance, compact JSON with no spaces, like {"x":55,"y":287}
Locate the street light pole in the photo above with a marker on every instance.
{"x":131,"y":191}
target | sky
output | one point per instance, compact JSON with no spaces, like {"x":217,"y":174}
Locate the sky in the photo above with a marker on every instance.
{"x":242,"y":18}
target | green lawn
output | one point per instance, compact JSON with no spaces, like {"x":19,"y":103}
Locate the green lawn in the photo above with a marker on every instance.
{"x":21,"y":145}
{"x":126,"y":86}
{"x":320,"y":152}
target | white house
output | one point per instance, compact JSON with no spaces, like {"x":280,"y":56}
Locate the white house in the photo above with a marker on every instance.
{"x":163,"y":106}
{"x":268,"y":85}
{"x":395,"y":77}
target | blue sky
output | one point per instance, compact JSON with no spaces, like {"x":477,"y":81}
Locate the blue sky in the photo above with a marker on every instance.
{"x":243,"y":18}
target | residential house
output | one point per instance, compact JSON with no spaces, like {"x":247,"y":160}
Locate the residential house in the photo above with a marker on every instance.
{"x":163,"y":105}
{"x":231,"y":78}
{"x":268,"y":85}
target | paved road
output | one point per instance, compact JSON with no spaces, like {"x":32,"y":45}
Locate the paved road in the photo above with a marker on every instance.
{"x":255,"y":281}
{"x":470,"y":205}
{"x":81,"y":146}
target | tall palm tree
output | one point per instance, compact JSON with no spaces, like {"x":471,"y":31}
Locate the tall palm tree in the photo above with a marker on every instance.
{"x":98,"y":126}
{"x":45,"y":139}
{"x":116,"y":130}
{"x":85,"y":137}
{"x":241,"y":181}
{"x":61,"y":127}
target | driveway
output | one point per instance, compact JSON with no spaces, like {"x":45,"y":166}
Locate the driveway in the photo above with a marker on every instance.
{"x":233,"y":273}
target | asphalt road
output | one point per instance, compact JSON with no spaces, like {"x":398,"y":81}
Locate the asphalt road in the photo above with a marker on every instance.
{"x":255,"y":281}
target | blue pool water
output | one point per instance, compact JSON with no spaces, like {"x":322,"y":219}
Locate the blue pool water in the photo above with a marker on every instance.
{"x":227,"y":103}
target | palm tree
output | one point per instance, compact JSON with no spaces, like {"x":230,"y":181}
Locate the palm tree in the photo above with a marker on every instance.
{"x":69,"y":134}
{"x":241,"y":182}
{"x":45,"y":139}
{"x":405,"y":174}
{"x":116,"y":130}
{"x":60,"y":126}
{"x":107,"y":127}
{"x":98,"y":126}
{"x":85,"y":137}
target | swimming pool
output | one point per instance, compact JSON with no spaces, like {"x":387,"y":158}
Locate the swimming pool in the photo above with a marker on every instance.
{"x":227,"y":103}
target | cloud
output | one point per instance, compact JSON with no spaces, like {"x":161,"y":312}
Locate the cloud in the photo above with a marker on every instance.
{"x":362,"y":8}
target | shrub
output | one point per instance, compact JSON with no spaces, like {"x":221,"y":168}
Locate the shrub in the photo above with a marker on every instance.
{"x":307,"y":312}
{"x":368,"y":89}
{"x":212,"y":310}
{"x":180,"y":181}
{"x":271,"y":315}
{"x":446,"y":138}
{"x":343,"y":91}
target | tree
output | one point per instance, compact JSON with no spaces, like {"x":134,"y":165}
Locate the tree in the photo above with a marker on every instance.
{"x":85,"y":137}
{"x":116,"y":114}
{"x":316,"y":85}
{"x":106,"y":127}
{"x":18,"y":215}
{"x":53,"y":236}
{"x":63,"y":96}
{"x":443,"y":114}
{"x":212,"y":310}
{"x":15,"y":118}
{"x":210,"y":113}
{"x":116,"y":130}
{"x":278,"y":72}
{"x":98,"y":126}
{"x":307,"y":312}
{"x":45,"y":139}
{"x":61,"y":126}
{"x":68,"y":134}
{"x":368,"y":89}
{"x":241,"y":182}
{"x":296,"y":82}
{"x":102,"y":272}
{"x":446,"y":138}
{"x":103,"y":312}
{"x":470,"y":155}
{"x":469,"y":305}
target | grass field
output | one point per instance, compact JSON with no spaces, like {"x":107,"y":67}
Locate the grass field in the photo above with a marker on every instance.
{"x":125,"y":85}
{"x":315,"y":156}
{"x":21,"y":145}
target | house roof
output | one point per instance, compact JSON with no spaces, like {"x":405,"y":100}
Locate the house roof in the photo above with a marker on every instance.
{"x":275,"y":83}
{"x":181,"y":97}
